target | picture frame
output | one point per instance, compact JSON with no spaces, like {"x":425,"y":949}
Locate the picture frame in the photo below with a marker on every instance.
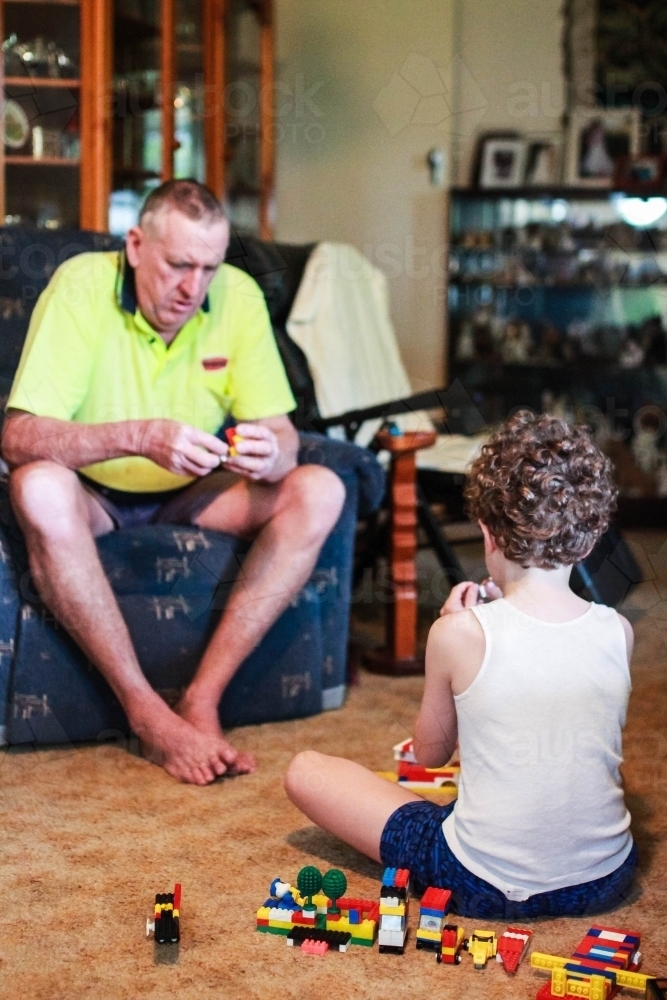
{"x":542,"y":163}
{"x":643,"y":174}
{"x":502,"y":161}
{"x":597,"y":139}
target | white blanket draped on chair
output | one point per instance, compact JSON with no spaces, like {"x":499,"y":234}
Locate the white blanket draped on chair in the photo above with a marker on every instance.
{"x":340,"y":320}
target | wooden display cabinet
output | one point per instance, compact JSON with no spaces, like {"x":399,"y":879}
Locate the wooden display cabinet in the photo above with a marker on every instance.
{"x":107,"y":98}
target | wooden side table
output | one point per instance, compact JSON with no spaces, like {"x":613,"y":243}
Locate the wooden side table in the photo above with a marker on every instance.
{"x":399,"y":656}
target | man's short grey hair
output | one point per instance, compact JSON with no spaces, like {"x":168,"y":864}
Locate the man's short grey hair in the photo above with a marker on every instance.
{"x":189,"y":197}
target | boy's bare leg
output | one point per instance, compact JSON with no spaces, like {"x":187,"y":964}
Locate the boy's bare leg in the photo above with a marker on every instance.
{"x":291,"y":521}
{"x":59,"y":520}
{"x":344,"y":798}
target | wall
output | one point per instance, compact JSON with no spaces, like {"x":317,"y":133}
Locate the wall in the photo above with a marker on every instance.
{"x":365,"y":89}
{"x":509,"y":72}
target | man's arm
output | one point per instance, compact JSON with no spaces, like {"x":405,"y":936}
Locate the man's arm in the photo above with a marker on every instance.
{"x":267,"y":450}
{"x":181,"y":449}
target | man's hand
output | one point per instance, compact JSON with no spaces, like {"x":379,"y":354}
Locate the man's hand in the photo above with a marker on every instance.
{"x":181,"y":449}
{"x":467,"y":595}
{"x":257,"y":452}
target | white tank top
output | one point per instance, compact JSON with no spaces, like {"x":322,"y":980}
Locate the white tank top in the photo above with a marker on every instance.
{"x":540,"y":802}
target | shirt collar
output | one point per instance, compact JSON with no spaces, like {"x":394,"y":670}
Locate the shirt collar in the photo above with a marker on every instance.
{"x":126,"y":287}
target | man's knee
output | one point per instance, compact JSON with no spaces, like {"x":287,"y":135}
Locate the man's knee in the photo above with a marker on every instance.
{"x":45,"y":497}
{"x":320,"y":494}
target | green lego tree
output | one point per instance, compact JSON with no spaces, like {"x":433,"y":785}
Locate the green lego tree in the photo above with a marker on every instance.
{"x":309,"y":882}
{"x":334,"y":885}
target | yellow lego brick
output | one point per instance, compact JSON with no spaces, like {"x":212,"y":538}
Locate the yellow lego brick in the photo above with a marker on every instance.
{"x":539,"y":960}
{"x":366,"y":929}
{"x":632,"y":980}
{"x":394,"y":911}
{"x":263,"y":913}
{"x":423,"y":935}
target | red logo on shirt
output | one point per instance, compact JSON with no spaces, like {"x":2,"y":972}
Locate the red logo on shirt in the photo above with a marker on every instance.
{"x":214,"y":364}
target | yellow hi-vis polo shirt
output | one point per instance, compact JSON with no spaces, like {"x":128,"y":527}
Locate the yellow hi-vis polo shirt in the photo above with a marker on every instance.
{"x":91,"y":357}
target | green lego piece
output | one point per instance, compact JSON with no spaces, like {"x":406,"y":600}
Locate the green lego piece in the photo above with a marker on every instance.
{"x":309,"y":881}
{"x":334,"y":885}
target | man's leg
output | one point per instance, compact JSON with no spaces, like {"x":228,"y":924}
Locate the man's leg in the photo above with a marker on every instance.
{"x":291,"y":521}
{"x":59,"y":520}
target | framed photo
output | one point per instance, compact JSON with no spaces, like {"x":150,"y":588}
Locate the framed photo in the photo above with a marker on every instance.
{"x":597,"y":139}
{"x":542,"y":164}
{"x":641,"y":174}
{"x":502,"y":162}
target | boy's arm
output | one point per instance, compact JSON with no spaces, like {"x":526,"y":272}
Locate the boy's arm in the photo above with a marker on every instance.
{"x":454,"y":654}
{"x":629,"y":637}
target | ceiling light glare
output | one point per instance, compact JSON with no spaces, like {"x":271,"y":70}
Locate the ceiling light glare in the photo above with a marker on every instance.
{"x":641,"y":212}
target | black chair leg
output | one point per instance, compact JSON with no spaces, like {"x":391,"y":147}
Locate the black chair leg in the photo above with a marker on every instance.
{"x":444,"y":551}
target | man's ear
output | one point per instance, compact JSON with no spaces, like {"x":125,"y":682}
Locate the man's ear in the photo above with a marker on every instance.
{"x":133,"y":241}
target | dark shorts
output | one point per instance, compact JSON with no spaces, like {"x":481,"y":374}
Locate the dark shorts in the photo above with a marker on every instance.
{"x":182,"y":506}
{"x":413,"y":838}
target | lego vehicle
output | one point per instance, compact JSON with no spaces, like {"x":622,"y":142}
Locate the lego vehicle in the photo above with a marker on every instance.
{"x":603,"y":963}
{"x":165,"y":925}
{"x":394,"y":900}
{"x":412,"y":775}
{"x":512,"y":946}
{"x":452,"y":942}
{"x":432,"y":911}
{"x":482,"y":945}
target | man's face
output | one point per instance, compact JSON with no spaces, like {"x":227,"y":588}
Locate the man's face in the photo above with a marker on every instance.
{"x":174,"y":260}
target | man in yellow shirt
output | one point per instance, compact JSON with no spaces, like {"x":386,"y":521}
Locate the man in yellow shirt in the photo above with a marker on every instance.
{"x":131,"y":365}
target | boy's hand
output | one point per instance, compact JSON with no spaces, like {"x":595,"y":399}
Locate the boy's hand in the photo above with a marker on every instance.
{"x":467,"y":595}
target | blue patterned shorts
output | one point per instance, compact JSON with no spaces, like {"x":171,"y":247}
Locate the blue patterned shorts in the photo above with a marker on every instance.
{"x":413,"y":838}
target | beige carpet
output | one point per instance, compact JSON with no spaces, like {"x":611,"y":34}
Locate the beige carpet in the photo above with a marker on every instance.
{"x":90,"y":834}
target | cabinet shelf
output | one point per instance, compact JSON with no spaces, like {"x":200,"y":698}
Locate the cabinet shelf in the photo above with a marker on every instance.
{"x":45,"y":161}
{"x":581,"y":286}
{"x":41,"y":81}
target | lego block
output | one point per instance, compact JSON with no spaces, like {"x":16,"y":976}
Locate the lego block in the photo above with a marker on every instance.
{"x":402,"y":879}
{"x":512,"y":946}
{"x":335,"y":940}
{"x":436,"y":899}
{"x":398,"y":910}
{"x":310,"y":947}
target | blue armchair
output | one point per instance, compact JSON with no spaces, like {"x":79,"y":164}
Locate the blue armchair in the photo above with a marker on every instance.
{"x":172,"y":582}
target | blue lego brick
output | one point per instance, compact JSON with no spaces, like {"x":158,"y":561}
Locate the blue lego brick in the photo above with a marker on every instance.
{"x":389,"y":876}
{"x":427,"y":911}
{"x":355,"y":917}
{"x":588,"y":970}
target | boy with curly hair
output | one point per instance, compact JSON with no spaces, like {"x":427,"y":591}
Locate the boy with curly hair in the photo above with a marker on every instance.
{"x":535,"y":685}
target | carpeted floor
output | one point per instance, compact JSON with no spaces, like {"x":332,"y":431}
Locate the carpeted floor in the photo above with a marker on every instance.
{"x":89,"y":835}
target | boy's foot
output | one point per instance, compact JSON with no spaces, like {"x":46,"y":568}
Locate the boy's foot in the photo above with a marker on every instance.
{"x":204,"y":717}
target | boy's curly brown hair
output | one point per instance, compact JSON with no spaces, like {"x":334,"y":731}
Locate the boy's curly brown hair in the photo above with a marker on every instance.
{"x":544,"y":490}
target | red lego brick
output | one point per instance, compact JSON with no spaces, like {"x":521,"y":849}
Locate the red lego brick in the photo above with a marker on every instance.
{"x":448,"y":938}
{"x":402,"y":878}
{"x":436,"y":899}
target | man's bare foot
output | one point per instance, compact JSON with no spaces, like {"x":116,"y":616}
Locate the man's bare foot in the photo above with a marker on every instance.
{"x":185,"y":753}
{"x":203,"y":715}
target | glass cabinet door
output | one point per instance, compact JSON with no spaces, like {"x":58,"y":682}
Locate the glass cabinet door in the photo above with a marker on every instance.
{"x":247,"y":99}
{"x":189,"y":160}
{"x":42,"y":86}
{"x":136,"y":109}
